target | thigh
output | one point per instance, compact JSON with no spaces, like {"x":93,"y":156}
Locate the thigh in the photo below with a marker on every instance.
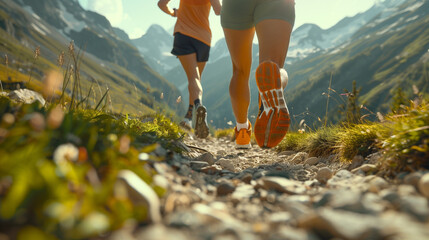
{"x":190,"y":65}
{"x":273,"y":36}
{"x":275,"y":9}
{"x":239,"y":44}
{"x":237,"y":14}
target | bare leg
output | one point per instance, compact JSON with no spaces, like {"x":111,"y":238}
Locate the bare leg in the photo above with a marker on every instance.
{"x":193,"y":72}
{"x":274,"y":36}
{"x":240,"y":48}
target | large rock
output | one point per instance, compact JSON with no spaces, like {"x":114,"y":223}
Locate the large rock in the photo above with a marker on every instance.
{"x":128,"y":184}
{"x":282,"y":185}
{"x":323,"y":175}
{"x":26,"y":96}
{"x":328,"y":224}
{"x":424,"y":185}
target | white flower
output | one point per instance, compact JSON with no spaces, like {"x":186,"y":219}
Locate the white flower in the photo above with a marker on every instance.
{"x":66,"y":152}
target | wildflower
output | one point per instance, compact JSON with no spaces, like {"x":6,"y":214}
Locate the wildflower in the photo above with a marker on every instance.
{"x":179,"y":99}
{"x":162,"y":96}
{"x":143,"y":156}
{"x":71,"y":46}
{"x":83,"y":154}
{"x":302,"y":130}
{"x":66,"y":153}
{"x":60,"y":59}
{"x":37,"y":53}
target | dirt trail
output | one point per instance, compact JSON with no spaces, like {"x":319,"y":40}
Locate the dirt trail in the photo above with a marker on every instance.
{"x":218,"y":192}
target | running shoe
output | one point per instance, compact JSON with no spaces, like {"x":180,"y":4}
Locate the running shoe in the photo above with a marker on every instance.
{"x":201,"y":127}
{"x":242,"y":137}
{"x":273,"y":119}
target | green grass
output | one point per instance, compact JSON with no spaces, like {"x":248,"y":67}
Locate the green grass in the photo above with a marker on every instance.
{"x":402,"y":139}
{"x":57,"y":195}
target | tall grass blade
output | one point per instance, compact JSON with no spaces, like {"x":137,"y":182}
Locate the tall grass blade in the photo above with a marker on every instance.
{"x":101,"y":100}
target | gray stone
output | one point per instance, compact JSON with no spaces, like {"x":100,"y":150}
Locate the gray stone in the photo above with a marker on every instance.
{"x":296,"y":209}
{"x":299,"y":157}
{"x":340,"y":176}
{"x":416,"y":206}
{"x":206,"y":157}
{"x":406,"y":190}
{"x":197,"y":165}
{"x":424,"y":185}
{"x":323,"y":175}
{"x":312,"y":161}
{"x":26,"y":96}
{"x":289,"y":233}
{"x":211,"y":170}
{"x":226,"y":164}
{"x":139,"y":192}
{"x":328,"y":224}
{"x":366,"y":168}
{"x":158,"y":232}
{"x":247,"y":178}
{"x":280,"y":218}
{"x":287,"y":153}
{"x":244,"y":191}
{"x":357,"y":161}
{"x":184,"y":170}
{"x":377,"y":184}
{"x":401,"y":226}
{"x":282,"y":185}
{"x":372,"y":203}
{"x":390,"y":196}
{"x":413,"y":179}
{"x":225,"y":188}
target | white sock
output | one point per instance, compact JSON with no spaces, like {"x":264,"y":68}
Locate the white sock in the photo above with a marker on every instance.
{"x":242,"y":125}
{"x":284,"y":76}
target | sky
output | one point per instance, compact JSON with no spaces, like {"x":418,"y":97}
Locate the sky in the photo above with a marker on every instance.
{"x":136,"y":16}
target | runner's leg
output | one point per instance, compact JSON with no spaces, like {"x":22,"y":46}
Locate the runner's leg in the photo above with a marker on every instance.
{"x":240,"y":48}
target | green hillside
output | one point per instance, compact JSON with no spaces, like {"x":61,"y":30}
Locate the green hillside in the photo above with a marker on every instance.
{"x":379,"y":63}
{"x":104,"y":63}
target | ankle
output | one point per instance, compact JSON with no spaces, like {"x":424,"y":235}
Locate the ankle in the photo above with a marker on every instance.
{"x":242,"y":125}
{"x":284,"y":78}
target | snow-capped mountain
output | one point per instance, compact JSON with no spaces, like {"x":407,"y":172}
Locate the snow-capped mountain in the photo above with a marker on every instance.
{"x":310,"y":39}
{"x":53,"y":24}
{"x":156,"y":46}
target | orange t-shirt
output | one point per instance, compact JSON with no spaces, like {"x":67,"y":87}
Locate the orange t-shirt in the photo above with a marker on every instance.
{"x":193,"y":20}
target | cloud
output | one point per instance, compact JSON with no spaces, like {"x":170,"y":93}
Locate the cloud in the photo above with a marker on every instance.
{"x":112,"y":9}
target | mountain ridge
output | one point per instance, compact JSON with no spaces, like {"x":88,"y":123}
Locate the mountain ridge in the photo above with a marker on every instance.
{"x":53,"y":24}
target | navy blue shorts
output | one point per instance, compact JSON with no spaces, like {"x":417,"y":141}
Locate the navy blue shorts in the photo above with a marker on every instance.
{"x":184,"y":45}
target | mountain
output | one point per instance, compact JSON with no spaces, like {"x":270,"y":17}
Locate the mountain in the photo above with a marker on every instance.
{"x":381,"y":48}
{"x":157,"y":44}
{"x":310,"y":39}
{"x":390,"y":51}
{"x":105,"y":54}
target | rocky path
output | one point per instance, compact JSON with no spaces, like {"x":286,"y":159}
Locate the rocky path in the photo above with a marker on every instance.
{"x":217,"y":192}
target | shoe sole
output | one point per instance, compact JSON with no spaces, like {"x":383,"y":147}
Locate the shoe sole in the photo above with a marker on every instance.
{"x":273,"y":123}
{"x":247,"y":146}
{"x":201,"y":128}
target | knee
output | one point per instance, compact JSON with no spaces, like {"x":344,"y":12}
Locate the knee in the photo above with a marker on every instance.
{"x":239,"y":72}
